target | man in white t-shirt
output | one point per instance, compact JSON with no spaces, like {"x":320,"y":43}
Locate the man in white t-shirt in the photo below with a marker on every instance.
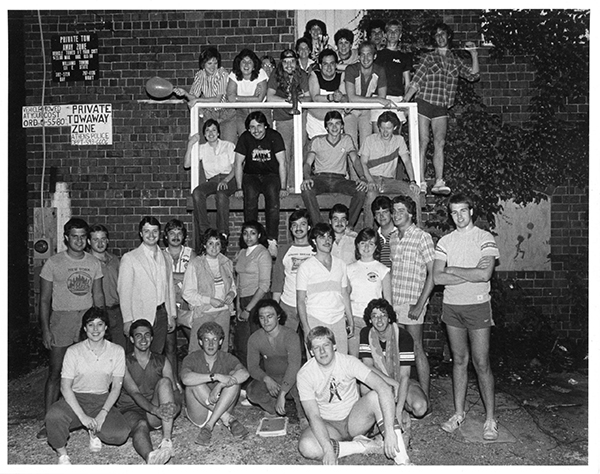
{"x":322,"y":289}
{"x":289,"y":258}
{"x":338,"y":417}
{"x":464,"y":263}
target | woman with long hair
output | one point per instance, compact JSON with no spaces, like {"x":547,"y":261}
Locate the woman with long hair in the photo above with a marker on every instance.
{"x":247,"y":82}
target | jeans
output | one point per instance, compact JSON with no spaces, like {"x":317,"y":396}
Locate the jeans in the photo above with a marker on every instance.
{"x":269,"y":185}
{"x":201,"y":192}
{"x":333,"y":183}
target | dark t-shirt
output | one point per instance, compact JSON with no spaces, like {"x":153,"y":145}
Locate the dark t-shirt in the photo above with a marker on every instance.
{"x":284,"y":114}
{"x":405,"y":349}
{"x":260,"y":154}
{"x":394,"y":63}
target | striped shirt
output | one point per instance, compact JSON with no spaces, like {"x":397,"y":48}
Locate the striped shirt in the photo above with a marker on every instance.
{"x":210,"y":86}
{"x":436,"y":78}
{"x":405,"y":346}
{"x":465,"y":249}
{"x":385,"y":256}
{"x":410,"y":256}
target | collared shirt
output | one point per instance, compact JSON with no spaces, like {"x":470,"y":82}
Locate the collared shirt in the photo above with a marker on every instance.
{"x":210,"y":86}
{"x":93,"y":373}
{"x":217,"y":160}
{"x":344,"y":248}
{"x":159,"y":272}
{"x":410,"y":256}
{"x":436,"y":78}
{"x":110,"y":270}
{"x":385,"y":256}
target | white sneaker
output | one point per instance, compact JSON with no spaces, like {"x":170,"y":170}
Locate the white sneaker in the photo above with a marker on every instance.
{"x":423,"y":187}
{"x":372,"y":446}
{"x":440,"y":188}
{"x":272,"y":247}
{"x":95,"y":443}
{"x":168,"y":445}
{"x":159,"y":456}
{"x":64,"y":459}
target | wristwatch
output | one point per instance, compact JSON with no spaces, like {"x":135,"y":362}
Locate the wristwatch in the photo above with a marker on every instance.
{"x":212,"y":377}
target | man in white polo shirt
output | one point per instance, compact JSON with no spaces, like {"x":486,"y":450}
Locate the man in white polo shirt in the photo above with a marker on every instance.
{"x":322,"y":289}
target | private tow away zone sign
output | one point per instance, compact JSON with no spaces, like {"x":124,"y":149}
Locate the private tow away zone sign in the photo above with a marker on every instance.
{"x":90,"y":124}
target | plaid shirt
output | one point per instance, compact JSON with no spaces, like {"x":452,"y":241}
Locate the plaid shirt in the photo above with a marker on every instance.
{"x":436,"y":78}
{"x":410,"y":256}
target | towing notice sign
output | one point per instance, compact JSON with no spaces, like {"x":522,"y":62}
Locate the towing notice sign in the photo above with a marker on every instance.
{"x":90,"y":124}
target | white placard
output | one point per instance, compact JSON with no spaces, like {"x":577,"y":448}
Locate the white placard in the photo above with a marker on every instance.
{"x":90,"y":124}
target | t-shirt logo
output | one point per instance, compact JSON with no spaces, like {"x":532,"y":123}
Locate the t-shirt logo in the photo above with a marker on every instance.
{"x":79,"y":283}
{"x":296,"y":261}
{"x":333,"y":390}
{"x":373,"y":277}
{"x":261,"y":155}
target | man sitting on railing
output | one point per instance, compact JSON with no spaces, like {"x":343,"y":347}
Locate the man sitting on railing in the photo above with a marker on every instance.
{"x":260,"y":167}
{"x":379,"y":155}
{"x":325,"y":85}
{"x":329,"y":153}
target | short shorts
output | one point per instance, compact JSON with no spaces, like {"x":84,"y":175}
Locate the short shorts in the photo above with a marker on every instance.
{"x":431,"y":111}
{"x":468,"y":316}
{"x":402,"y":314}
{"x":65,"y":327}
{"x":341,"y":427}
{"x":375,"y":113}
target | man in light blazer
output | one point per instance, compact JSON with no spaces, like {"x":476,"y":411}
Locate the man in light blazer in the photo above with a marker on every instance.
{"x":145,"y":285}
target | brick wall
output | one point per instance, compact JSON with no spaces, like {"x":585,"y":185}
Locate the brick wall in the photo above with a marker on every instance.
{"x":141,"y":172}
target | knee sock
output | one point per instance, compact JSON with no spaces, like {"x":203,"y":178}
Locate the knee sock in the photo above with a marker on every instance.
{"x":401,"y":456}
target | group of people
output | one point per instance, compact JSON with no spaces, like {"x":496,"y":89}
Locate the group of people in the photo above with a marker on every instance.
{"x":351,"y":304}
{"x":350,"y":151}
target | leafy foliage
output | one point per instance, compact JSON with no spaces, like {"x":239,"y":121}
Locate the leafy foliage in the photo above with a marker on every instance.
{"x":492,"y":160}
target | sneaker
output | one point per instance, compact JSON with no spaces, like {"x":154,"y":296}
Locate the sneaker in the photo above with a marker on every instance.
{"x":272,"y":247}
{"x":423,"y":187}
{"x":372,"y":446}
{"x":490,"y":430}
{"x":440,"y":188}
{"x":159,"y":456}
{"x":42,"y":434}
{"x":237,"y":429}
{"x":453,"y":423}
{"x":64,"y":459}
{"x":167,"y":444}
{"x":244,"y":399}
{"x":204,"y":437}
{"x":95,"y":443}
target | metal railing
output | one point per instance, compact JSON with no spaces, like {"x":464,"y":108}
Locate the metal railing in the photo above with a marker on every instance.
{"x":410,"y":108}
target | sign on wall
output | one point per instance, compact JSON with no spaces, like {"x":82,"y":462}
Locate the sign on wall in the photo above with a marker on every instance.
{"x":90,"y":124}
{"x":523,"y":236}
{"x":75,"y":57}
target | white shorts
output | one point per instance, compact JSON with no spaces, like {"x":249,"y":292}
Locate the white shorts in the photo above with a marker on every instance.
{"x":402,"y":314}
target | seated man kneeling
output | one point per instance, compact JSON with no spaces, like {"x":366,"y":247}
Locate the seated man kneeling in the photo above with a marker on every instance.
{"x":329,"y":154}
{"x":151,"y":399}
{"x":278,"y":347}
{"x":377,"y":340}
{"x":212,"y":380}
{"x":338,"y":417}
